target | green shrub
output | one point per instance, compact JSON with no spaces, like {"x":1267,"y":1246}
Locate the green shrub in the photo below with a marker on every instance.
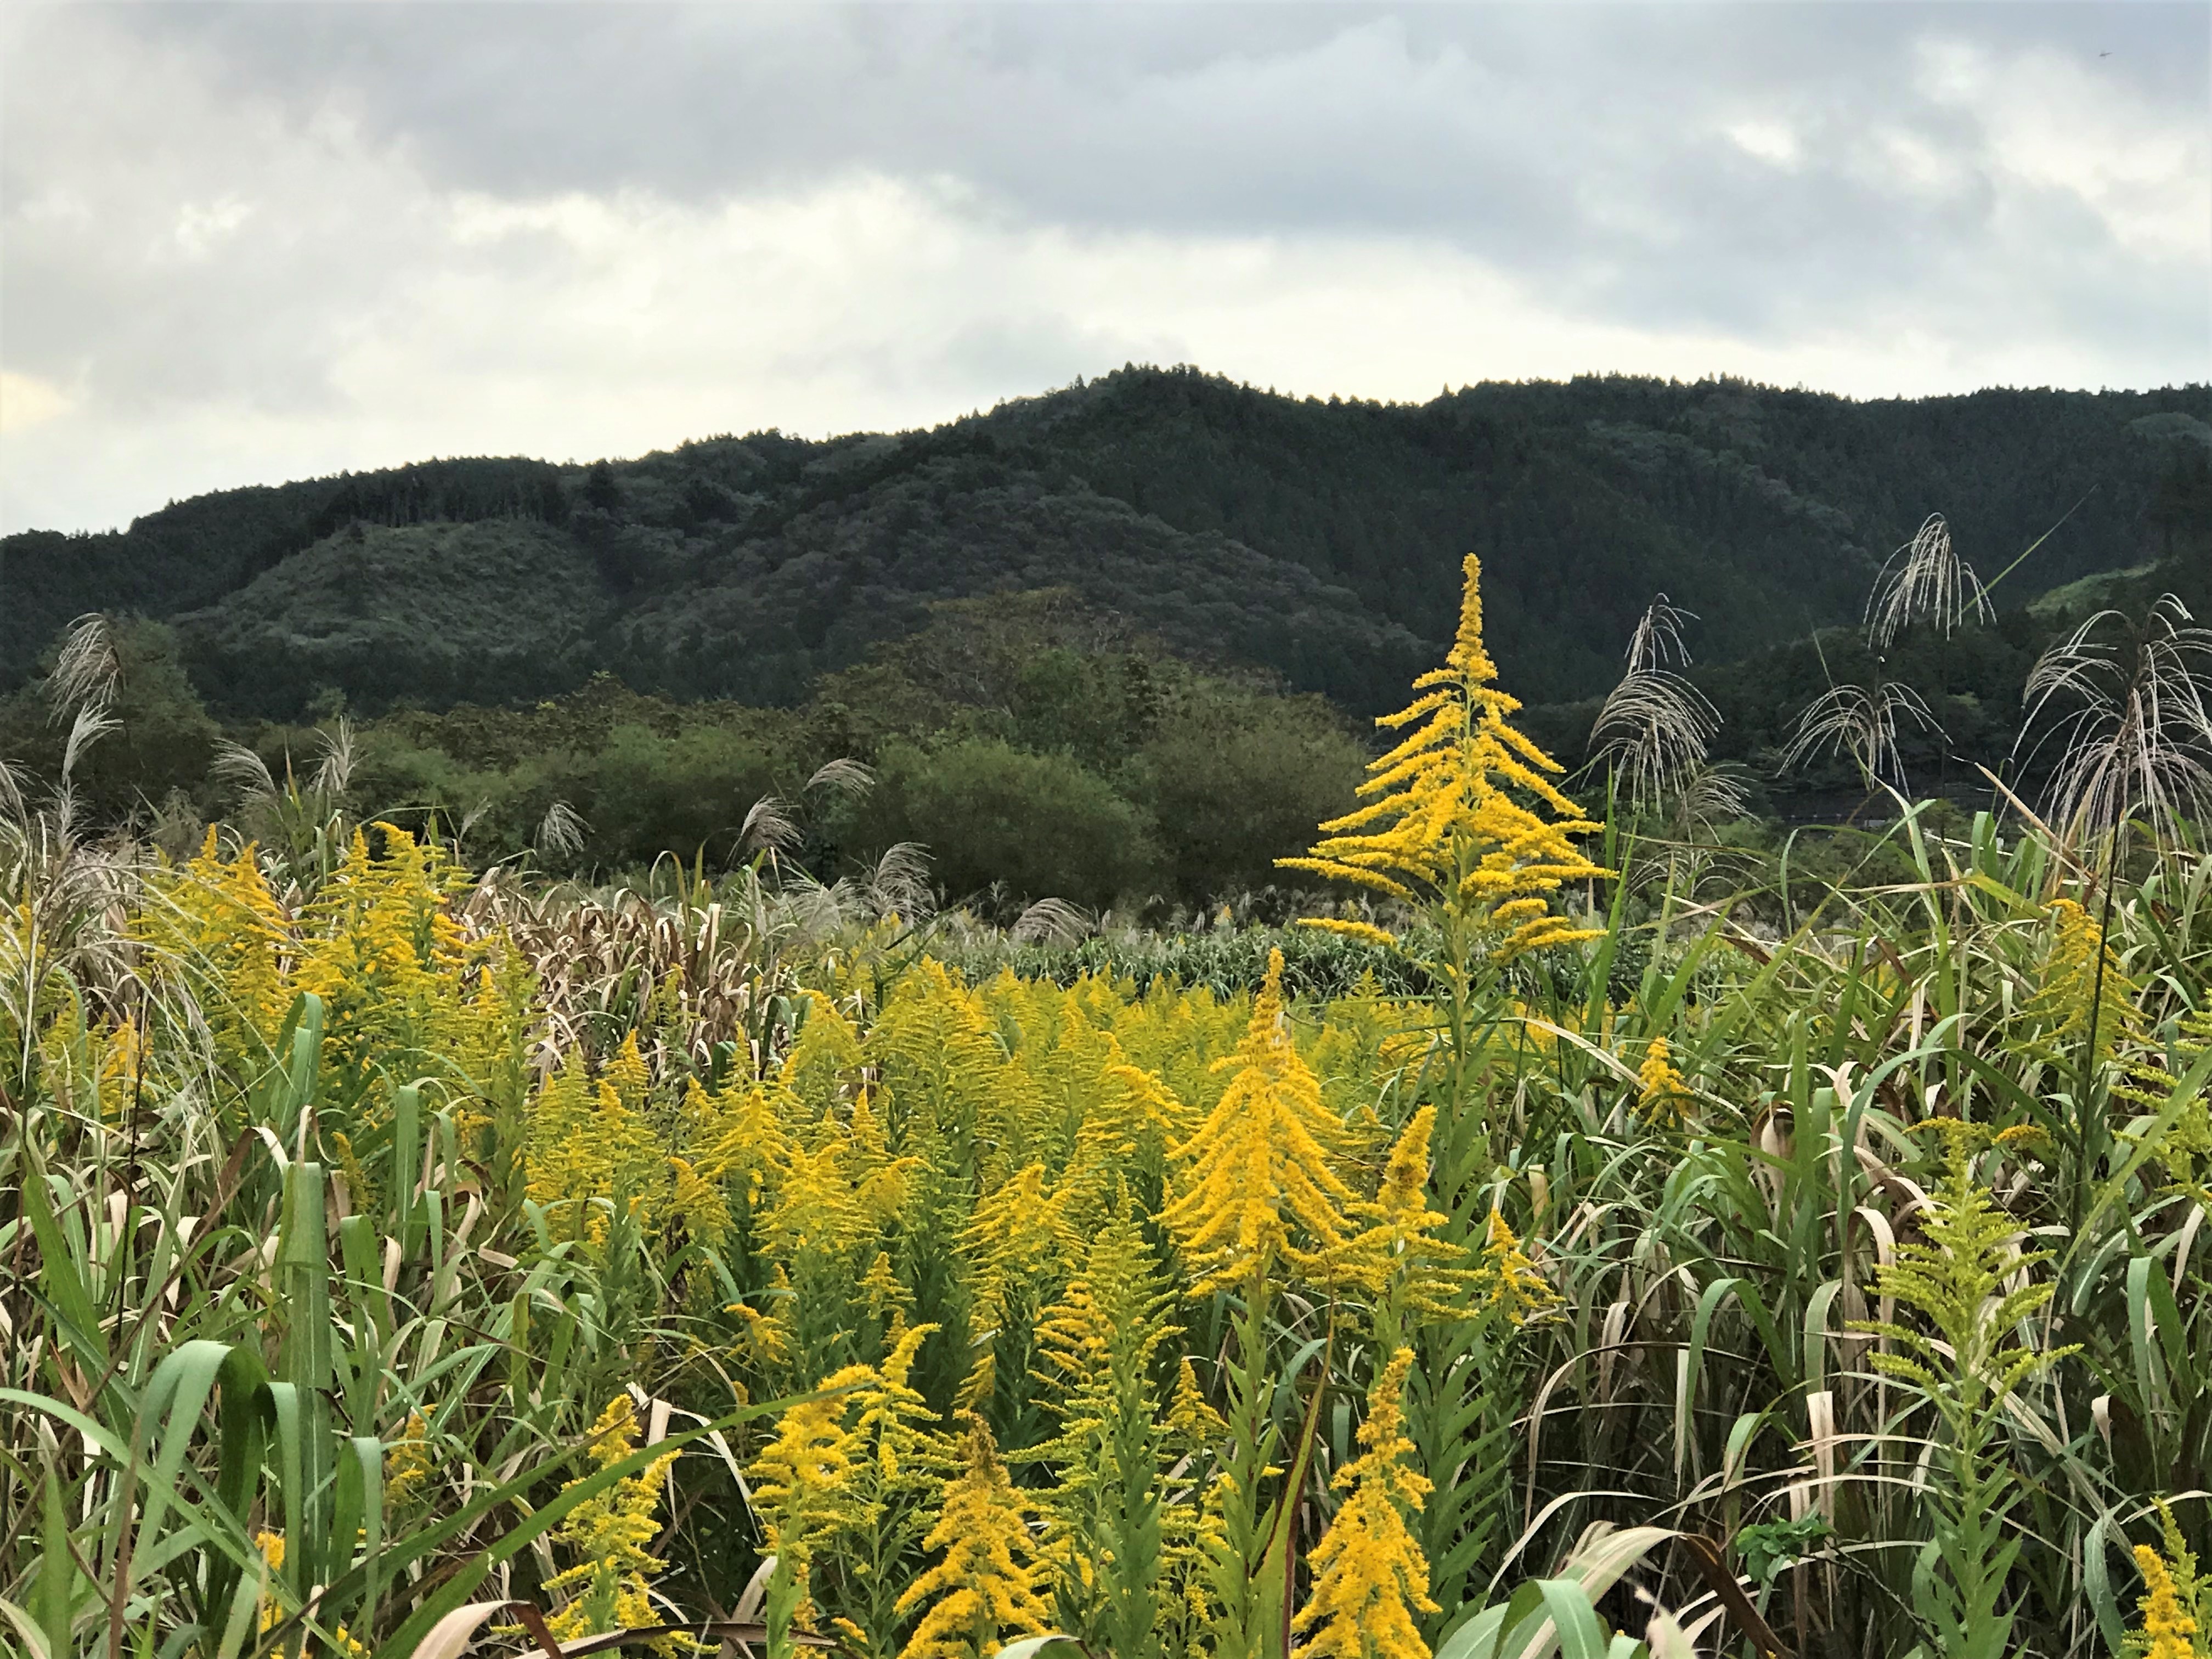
{"x":1236,"y":783}
{"x":1038,"y":825}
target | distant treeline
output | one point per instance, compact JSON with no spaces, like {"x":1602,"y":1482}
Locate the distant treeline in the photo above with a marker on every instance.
{"x":1317,"y":541}
{"x":1027,"y":752}
{"x":1033,"y":747}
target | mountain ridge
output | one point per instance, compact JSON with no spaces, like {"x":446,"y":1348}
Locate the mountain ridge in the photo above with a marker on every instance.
{"x":1315,"y":539}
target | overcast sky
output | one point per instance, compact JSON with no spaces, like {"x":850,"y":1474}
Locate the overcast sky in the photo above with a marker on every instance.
{"x":252,"y":243}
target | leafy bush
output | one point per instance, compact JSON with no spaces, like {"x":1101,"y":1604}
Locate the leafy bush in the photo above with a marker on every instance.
{"x":1036,"y":825}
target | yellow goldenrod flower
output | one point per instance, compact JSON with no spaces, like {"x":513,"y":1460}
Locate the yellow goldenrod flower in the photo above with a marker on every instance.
{"x":1258,"y":1166}
{"x":1664,"y":1094}
{"x":1399,"y":1257}
{"x":699,"y":1206}
{"x":588,"y":1152}
{"x":1370,"y":1576}
{"x":1019,"y":1237}
{"x":982,"y":1594}
{"x":2167,"y":1628}
{"x":2081,"y":975}
{"x":272,"y":1546}
{"x":1189,"y":1414}
{"x":270,"y":1614}
{"x":218,"y":925}
{"x":880,"y":1290}
{"x":801,"y":1470}
{"x":1507,"y":1278}
{"x":763,"y":1338}
{"x":608,"y":1534}
{"x":407,"y":1467}
{"x":1456,"y":814}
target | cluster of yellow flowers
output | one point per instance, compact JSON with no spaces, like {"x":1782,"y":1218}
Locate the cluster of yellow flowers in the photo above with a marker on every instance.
{"x":1462,"y":815}
{"x":1663,"y":1094}
{"x":605,"y":1585}
{"x":1370,"y":1576}
{"x":2175,"y":1608}
{"x":1006,"y":1160}
{"x":405,"y":992}
{"x":2082,"y":979}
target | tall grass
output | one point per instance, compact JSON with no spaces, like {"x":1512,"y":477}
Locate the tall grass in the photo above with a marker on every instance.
{"x":406,"y":1260}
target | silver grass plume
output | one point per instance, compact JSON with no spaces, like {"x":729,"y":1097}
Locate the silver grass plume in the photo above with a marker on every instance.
{"x":1656,"y":639}
{"x":844,"y":777}
{"x":768,"y":827}
{"x":1923,"y":579}
{"x":1050,"y":921}
{"x":85,"y":669}
{"x":2138,"y":741}
{"x":1655,"y":725}
{"x":560,"y":835}
{"x":93,"y":722}
{"x":334,"y":771}
{"x":242,"y":768}
{"x":1711,"y":795}
{"x":899,"y":883}
{"x":472,"y":818}
{"x":1850,"y":719}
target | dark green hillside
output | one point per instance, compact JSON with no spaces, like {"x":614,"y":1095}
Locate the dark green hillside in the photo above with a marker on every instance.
{"x":1317,"y":540}
{"x":432,"y":613}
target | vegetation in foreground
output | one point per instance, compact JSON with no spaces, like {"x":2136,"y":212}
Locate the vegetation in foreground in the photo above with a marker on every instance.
{"x":406,"y":1258}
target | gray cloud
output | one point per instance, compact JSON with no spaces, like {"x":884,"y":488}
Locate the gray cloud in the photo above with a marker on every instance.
{"x":307,"y":214}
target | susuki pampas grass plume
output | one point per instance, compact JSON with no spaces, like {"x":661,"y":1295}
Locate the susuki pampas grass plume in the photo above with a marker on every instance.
{"x":1923,"y":579}
{"x":2138,"y":738}
{"x":1655,"y":725}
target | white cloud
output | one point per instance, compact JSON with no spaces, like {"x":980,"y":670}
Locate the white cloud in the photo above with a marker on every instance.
{"x":1768,"y":140}
{"x":2052,"y":122}
{"x":26,"y":401}
{"x":218,"y":280}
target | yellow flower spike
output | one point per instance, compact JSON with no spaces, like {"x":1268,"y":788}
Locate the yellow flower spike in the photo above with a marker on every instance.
{"x":587,"y":1150}
{"x":1399,"y":1257}
{"x":698,"y":1204}
{"x":1369,"y":1575}
{"x":1189,"y":1414}
{"x":407,"y":1467}
{"x":1664,"y":1094}
{"x":1259,"y":1165}
{"x":1507,"y":1278}
{"x":1461,"y":815}
{"x":982,"y":1594}
{"x":2167,"y":1628}
{"x":628,"y":1076}
{"x":605,"y":1587}
{"x":2080,"y":975}
{"x":811,"y":1456}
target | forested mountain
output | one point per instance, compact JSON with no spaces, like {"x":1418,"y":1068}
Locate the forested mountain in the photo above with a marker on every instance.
{"x":1317,"y":540}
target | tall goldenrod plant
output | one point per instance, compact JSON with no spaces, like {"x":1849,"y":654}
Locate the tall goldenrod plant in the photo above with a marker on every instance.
{"x":982,"y":1592}
{"x":608,"y":1533}
{"x":1968,"y":1281}
{"x":1257,"y":1194}
{"x":1107,"y":1535}
{"x":1370,"y":1578}
{"x":1462,"y":823}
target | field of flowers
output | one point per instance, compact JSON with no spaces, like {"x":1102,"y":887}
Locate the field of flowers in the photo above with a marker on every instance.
{"x":406,"y":1260}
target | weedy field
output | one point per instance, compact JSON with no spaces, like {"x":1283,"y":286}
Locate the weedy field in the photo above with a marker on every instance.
{"x":407,"y":1259}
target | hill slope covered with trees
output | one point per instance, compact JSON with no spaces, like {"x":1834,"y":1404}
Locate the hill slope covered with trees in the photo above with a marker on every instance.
{"x":1317,"y":540}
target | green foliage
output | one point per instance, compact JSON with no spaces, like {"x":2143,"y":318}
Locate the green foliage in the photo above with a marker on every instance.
{"x":1317,"y":539}
{"x":156,"y":760}
{"x":989,"y":812}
